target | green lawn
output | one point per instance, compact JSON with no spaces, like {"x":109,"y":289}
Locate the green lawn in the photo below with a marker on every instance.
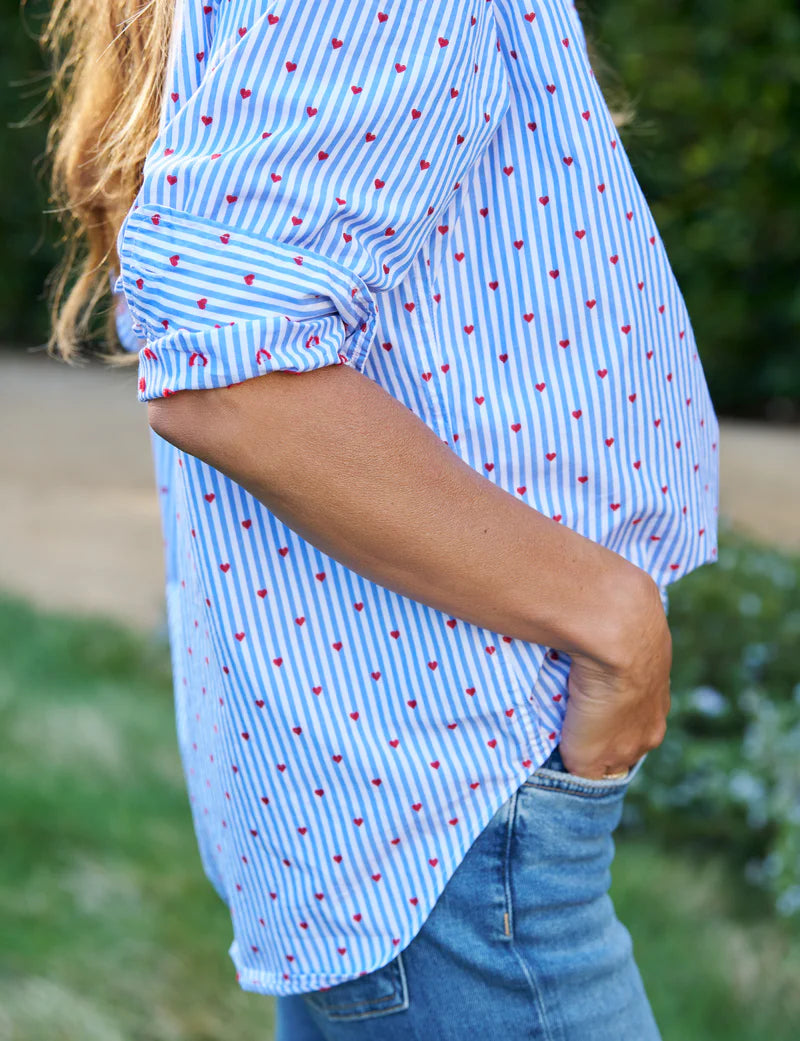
{"x":111,"y":931}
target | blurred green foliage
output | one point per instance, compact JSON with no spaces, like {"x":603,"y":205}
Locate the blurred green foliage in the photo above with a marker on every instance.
{"x":716,"y":89}
{"x":30,"y":236}
{"x":726,"y":778}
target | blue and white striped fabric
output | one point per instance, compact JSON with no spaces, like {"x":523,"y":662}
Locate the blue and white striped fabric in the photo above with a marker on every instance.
{"x":434,"y":193}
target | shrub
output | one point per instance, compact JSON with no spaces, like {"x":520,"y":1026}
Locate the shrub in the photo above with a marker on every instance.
{"x":716,"y":88}
{"x":727,"y":775}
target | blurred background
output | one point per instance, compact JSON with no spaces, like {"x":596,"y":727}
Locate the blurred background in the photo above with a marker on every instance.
{"x":109,"y":928}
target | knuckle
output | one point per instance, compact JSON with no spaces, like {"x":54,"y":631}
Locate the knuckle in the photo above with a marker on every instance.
{"x":657,"y":734}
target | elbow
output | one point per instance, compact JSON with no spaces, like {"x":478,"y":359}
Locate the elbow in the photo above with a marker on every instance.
{"x":160,"y":417}
{"x":177,"y":419}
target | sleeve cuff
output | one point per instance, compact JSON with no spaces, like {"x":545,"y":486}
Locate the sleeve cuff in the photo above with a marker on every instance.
{"x":216,"y":305}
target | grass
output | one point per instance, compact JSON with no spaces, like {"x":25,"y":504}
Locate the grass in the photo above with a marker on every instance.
{"x":110,"y":927}
{"x":715,"y":961}
{"x":111,"y":931}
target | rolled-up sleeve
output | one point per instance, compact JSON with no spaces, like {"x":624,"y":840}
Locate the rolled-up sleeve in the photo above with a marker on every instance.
{"x":300,"y":180}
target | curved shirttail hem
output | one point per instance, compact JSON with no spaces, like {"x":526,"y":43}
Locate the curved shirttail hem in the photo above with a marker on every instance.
{"x":272,"y":983}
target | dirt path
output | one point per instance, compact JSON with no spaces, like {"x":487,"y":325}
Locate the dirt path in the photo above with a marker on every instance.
{"x":79,"y":524}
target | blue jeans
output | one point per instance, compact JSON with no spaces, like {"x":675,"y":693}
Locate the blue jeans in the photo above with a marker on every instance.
{"x":523,"y":942}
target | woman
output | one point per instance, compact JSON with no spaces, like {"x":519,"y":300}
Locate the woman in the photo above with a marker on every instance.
{"x":417,"y":596}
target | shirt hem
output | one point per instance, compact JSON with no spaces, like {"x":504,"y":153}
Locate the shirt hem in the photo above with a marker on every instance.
{"x":275,"y":984}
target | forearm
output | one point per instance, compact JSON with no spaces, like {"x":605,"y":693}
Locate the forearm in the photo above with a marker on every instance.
{"x":357,"y":474}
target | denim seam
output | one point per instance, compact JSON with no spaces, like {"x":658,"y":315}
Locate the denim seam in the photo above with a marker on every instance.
{"x":508,"y":909}
{"x":546,"y":1033}
{"x":547,"y":779}
{"x":574,"y":789}
{"x":344,"y":1010}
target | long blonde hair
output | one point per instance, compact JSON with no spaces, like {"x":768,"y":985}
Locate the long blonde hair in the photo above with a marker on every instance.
{"x":108,"y":62}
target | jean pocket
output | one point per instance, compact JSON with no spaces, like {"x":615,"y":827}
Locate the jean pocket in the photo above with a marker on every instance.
{"x":376,"y":994}
{"x":553,"y":774}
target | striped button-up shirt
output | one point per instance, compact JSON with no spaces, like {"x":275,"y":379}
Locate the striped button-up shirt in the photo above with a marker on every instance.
{"x":435,"y":194}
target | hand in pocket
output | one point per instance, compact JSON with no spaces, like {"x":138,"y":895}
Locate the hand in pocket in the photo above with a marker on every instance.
{"x":619,"y":701}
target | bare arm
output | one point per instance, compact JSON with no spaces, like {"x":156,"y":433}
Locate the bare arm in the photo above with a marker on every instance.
{"x":357,"y":474}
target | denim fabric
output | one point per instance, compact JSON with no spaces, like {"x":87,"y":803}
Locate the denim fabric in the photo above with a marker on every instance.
{"x":523,"y":941}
